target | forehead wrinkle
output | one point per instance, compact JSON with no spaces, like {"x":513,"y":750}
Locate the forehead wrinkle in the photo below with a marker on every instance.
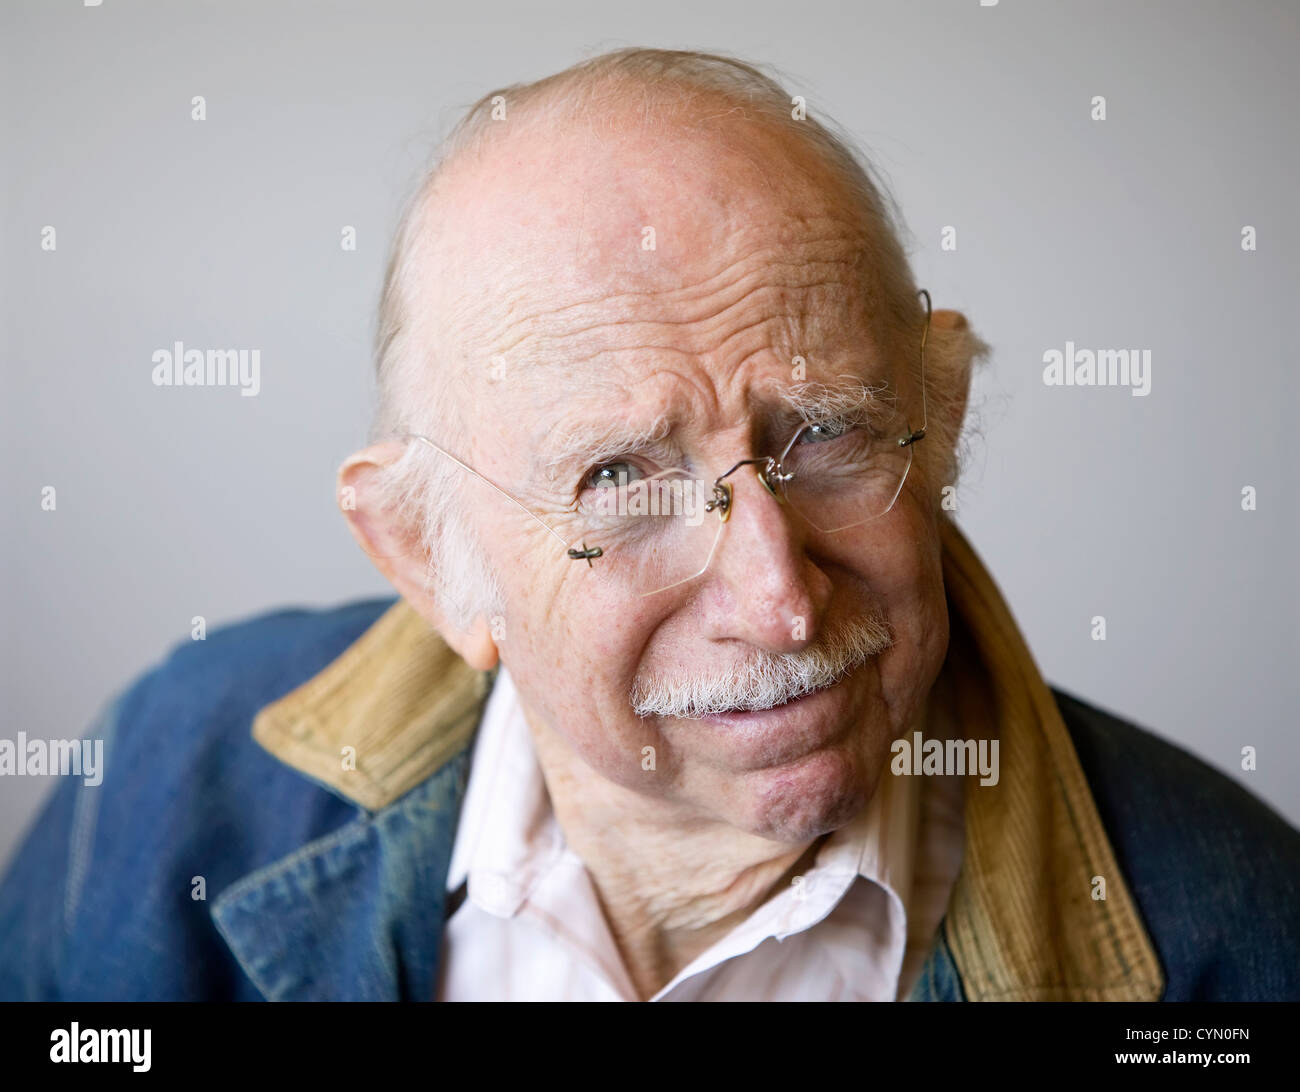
{"x":530,"y":327}
{"x":794,"y":328}
{"x":784,"y":334}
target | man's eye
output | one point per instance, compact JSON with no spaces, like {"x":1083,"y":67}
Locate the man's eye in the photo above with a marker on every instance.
{"x":610,"y":474}
{"x":822,"y":431}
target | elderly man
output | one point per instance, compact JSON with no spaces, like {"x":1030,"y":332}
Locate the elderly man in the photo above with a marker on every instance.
{"x":693,"y":691}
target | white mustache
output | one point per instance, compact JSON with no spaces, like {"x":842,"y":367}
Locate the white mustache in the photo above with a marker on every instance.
{"x":766,"y":679}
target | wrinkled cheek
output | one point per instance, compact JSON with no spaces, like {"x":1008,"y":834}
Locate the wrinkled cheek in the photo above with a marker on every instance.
{"x":908,"y":583}
{"x":573,"y":657}
{"x":922,"y":644}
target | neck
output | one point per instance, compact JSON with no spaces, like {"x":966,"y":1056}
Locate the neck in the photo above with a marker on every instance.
{"x":670,"y":884}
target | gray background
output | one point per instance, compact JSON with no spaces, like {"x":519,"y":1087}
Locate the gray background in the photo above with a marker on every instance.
{"x":197,"y":501}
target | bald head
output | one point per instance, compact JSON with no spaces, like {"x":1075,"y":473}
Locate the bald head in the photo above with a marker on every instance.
{"x":553,"y":231}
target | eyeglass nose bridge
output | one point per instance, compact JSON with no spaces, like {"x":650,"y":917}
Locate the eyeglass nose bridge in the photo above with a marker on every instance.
{"x":769,"y":473}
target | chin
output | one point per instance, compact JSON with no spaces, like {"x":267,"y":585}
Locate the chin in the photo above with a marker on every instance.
{"x":806,"y":799}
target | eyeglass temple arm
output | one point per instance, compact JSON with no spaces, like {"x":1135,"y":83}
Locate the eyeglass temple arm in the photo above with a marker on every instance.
{"x":523,"y":508}
{"x":919,"y":434}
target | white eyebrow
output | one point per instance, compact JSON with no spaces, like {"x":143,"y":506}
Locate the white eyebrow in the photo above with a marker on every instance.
{"x":599,"y":442}
{"x":850,"y":400}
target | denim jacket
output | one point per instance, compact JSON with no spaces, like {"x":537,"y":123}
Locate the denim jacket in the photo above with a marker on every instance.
{"x":230,"y":853}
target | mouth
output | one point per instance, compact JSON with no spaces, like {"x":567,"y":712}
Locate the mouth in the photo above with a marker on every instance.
{"x":795,"y":730}
{"x":759,"y":717}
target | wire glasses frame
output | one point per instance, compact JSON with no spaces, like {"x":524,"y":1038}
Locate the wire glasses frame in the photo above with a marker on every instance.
{"x":771,"y":472}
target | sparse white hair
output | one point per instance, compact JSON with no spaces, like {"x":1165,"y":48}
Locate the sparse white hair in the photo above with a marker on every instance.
{"x":414,"y":394}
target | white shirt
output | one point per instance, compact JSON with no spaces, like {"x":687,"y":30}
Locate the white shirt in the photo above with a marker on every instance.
{"x":857,"y":926}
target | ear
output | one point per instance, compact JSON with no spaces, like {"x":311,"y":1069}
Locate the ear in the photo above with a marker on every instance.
{"x":397,"y":552}
{"x":948,"y":327}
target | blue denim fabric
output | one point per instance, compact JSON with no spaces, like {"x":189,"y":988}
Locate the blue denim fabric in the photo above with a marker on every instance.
{"x":310,"y":896}
{"x":97,"y":904}
{"x":1216,"y":872}
{"x":939,"y":980}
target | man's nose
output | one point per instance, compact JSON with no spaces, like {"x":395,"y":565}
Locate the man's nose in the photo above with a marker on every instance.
{"x":761,"y":586}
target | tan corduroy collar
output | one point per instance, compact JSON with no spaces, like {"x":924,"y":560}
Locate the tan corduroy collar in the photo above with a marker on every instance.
{"x":1022,"y":922}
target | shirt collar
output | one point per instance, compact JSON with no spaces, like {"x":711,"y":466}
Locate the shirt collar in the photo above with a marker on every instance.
{"x":508,"y":837}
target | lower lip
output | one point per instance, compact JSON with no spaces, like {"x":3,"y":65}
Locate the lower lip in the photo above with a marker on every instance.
{"x":761,"y":718}
{"x":784,"y":734}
